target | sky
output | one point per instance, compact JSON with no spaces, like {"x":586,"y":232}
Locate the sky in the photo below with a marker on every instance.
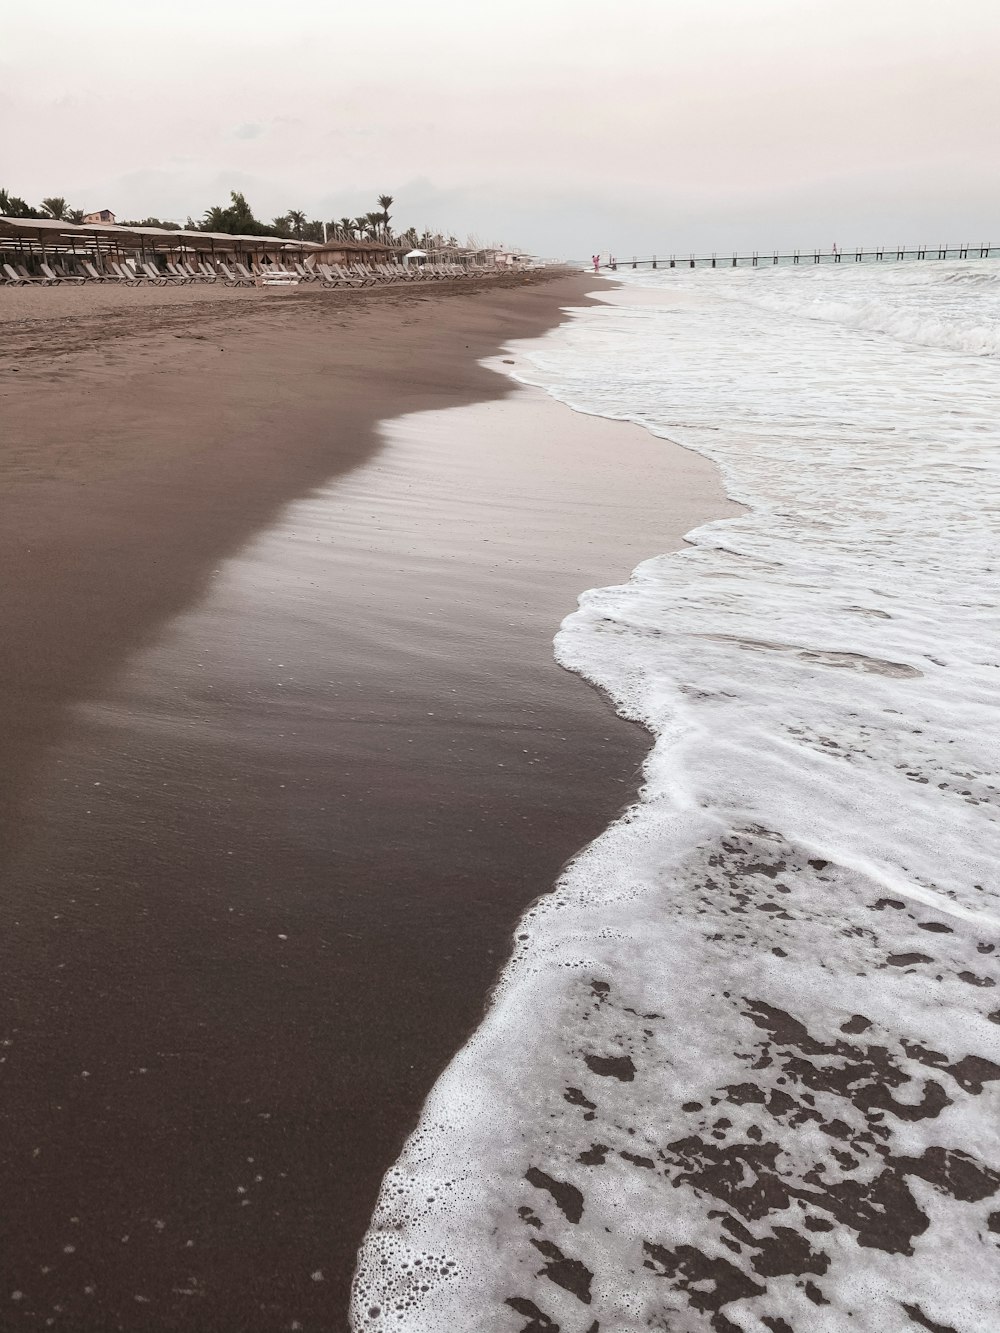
{"x":561,"y":127}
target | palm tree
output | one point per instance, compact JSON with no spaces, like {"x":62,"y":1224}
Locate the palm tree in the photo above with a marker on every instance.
{"x":297,"y":221}
{"x":361,"y":225}
{"x":215,"y":219}
{"x":75,"y":215}
{"x":12,"y":206}
{"x":55,"y":208}
{"x":385,"y":202}
{"x":346,"y":228}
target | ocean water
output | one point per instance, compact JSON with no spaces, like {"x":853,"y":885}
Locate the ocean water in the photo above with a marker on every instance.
{"x":741,"y":1070}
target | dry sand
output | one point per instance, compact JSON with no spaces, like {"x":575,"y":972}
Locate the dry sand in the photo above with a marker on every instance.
{"x":272,"y":804}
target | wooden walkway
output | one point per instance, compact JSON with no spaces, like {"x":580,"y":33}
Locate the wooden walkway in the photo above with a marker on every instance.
{"x":758,"y":260}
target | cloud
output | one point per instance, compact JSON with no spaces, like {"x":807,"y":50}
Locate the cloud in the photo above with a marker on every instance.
{"x":248,"y":130}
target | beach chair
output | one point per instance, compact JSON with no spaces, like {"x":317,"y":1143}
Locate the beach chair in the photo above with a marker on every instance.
{"x":147,"y":273}
{"x":22,"y":279}
{"x":276,"y":276}
{"x":96,"y":275}
{"x":163,"y":276}
{"x":232,"y":279}
{"x":44,"y":279}
{"x":363,"y":272}
{"x":356,"y":273}
{"x":55,"y":277}
{"x":129,"y":278}
{"x":245,"y":273}
{"x":331,"y":279}
{"x":131,"y":273}
{"x":307,"y":274}
{"x":209,"y":273}
{"x":175,"y":271}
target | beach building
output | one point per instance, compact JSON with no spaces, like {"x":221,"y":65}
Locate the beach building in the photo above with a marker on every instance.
{"x":102,"y":215}
{"x":336,"y":251}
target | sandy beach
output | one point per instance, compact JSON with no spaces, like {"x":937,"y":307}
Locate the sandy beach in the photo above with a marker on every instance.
{"x":287,"y":754}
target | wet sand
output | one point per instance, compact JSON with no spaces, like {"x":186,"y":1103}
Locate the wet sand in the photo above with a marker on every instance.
{"x":273,"y":804}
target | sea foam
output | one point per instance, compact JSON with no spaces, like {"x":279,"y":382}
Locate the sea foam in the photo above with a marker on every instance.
{"x":740,"y":1072}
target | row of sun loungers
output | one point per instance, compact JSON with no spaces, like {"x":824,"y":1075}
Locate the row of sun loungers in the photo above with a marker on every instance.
{"x":146,"y":273}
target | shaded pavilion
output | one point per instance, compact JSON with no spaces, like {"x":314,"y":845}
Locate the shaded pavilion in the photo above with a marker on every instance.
{"x":44,"y":238}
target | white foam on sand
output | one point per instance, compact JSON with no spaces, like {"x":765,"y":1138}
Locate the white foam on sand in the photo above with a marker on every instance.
{"x":741,"y":1070}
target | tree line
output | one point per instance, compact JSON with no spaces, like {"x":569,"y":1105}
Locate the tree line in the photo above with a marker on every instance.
{"x":237,"y":219}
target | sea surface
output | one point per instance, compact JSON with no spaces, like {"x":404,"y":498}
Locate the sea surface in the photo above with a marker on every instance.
{"x":742,"y":1070}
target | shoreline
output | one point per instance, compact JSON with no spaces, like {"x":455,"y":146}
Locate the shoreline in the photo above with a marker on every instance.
{"x":274,"y":837}
{"x":123,"y":438}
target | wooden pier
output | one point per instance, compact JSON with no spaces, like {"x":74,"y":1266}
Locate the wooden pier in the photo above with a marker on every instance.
{"x":756,"y":259}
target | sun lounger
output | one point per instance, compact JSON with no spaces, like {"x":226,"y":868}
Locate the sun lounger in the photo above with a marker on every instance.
{"x":358,"y":273}
{"x":175,"y":271}
{"x":129,"y":278}
{"x":277,"y":277}
{"x":23,"y":279}
{"x":57,"y":277}
{"x":209,"y":273}
{"x":244,"y":272}
{"x":330,"y":276}
{"x":331,"y":279}
{"x":44,"y":278}
{"x":147,"y":273}
{"x":93,"y":274}
{"x":96,"y":275}
{"x":349,"y":274}
{"x":133,"y":275}
{"x":232,"y":279}
{"x":164,"y":275}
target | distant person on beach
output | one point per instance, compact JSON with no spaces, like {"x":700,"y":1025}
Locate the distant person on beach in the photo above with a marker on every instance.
{"x":597,"y":263}
{"x":835,"y":247}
